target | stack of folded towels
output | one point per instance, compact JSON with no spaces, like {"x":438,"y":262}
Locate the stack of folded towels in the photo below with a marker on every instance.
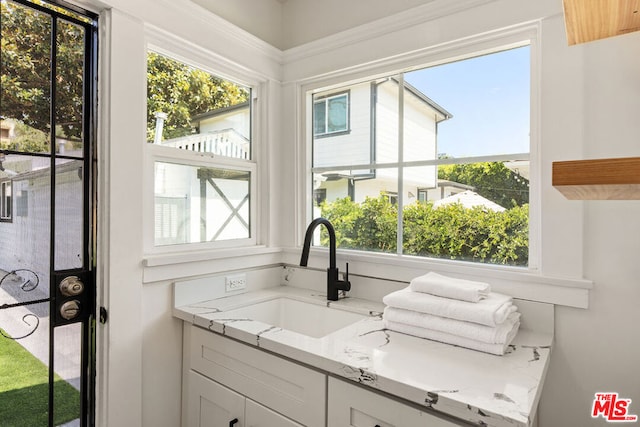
{"x":454,"y":311}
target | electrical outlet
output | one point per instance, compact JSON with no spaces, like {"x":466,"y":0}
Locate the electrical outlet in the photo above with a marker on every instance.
{"x":235,"y":282}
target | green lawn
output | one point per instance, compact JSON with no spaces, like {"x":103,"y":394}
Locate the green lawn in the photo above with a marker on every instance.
{"x":24,"y":394}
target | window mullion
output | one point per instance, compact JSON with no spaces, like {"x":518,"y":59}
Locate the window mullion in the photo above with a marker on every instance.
{"x":399,"y":241}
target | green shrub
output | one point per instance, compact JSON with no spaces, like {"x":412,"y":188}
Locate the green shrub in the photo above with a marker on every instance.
{"x":450,"y":231}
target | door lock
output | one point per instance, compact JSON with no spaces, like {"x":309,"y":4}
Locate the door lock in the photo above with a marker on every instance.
{"x":70,"y":309}
{"x":71,"y":286}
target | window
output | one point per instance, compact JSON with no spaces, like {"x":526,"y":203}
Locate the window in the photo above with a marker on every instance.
{"x":331,"y":115}
{"x":199,"y":133}
{"x":5,"y":201}
{"x":437,"y":162}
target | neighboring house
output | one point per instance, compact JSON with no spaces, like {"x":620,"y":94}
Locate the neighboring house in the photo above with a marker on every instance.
{"x":180,"y":215}
{"x":358,"y":125}
{"x":224,"y":131}
{"x":25,"y":182}
{"x":445,"y":189}
{"x":469,"y":200}
{"x":6,"y":131}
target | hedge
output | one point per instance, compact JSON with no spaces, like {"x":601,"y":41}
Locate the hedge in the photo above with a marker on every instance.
{"x":449,"y":231}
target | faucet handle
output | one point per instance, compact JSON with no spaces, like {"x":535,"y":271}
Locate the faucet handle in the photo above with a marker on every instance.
{"x":346,"y":274}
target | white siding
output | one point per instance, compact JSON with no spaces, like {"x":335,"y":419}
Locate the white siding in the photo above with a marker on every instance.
{"x":240,"y":120}
{"x":419,"y":143}
{"x":25,"y":240}
{"x":353,"y":147}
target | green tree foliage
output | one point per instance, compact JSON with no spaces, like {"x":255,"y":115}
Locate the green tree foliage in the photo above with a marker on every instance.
{"x":25,"y":88}
{"x":492,"y":180}
{"x":450,"y":231}
{"x":369,"y":225}
{"x":183,"y":92}
{"x":27,"y":139}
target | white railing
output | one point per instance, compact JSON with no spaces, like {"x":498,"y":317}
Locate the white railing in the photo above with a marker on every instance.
{"x":225,"y":142}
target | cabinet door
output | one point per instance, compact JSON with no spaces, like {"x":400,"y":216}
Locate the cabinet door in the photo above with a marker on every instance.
{"x":257,"y":415}
{"x":212,"y":405}
{"x":279,"y":384}
{"x":350,"y":405}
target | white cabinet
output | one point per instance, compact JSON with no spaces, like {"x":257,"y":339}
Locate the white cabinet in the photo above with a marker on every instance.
{"x":213,"y":405}
{"x":350,"y":405}
{"x":277,"y":390}
{"x":226,"y":380}
{"x":259,"y":416}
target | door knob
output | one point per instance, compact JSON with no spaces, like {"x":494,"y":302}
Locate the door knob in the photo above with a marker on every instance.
{"x":70,"y":309}
{"x":71,"y":286}
{"x":233,"y":422}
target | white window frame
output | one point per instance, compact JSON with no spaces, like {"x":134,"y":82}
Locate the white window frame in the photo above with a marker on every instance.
{"x":175,"y":48}
{"x":7,"y":205}
{"x":464,"y":51}
{"x":554,"y":283}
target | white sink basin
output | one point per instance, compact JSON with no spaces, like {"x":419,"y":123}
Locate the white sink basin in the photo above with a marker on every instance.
{"x":304,"y":318}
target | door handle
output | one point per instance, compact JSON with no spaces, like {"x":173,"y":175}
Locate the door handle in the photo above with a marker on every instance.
{"x":233,"y":422}
{"x":71,"y":286}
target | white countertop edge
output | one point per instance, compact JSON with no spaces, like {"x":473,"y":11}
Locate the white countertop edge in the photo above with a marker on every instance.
{"x":353,"y":350}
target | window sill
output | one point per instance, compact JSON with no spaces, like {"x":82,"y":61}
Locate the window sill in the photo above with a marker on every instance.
{"x":517,"y":282}
{"x":183,"y":264}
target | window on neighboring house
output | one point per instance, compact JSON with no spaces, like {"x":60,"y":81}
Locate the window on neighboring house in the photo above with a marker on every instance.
{"x":319,"y":196}
{"x":6,"y":201}
{"x":22,"y":203}
{"x":199,"y":132}
{"x":463,"y":126}
{"x":331,"y":114}
{"x":391,"y":197}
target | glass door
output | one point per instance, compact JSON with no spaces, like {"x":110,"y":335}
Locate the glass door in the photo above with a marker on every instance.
{"x":47,"y":220}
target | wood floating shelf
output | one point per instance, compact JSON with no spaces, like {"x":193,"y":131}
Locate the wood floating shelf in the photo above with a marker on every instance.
{"x":588,"y":20}
{"x":601,"y":179}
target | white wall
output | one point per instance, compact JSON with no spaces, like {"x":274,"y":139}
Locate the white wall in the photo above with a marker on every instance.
{"x":589,"y":107}
{"x":599,"y":349}
{"x":139,"y":348}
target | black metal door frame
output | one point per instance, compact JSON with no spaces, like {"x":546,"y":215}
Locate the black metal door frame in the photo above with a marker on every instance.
{"x":85,"y":301}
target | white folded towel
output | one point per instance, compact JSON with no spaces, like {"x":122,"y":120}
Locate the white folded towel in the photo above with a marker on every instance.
{"x":490,"y":311}
{"x":498,"y":349}
{"x":450,"y":287}
{"x":475,"y":331}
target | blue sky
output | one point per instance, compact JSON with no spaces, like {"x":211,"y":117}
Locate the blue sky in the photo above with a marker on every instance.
{"x":489,"y":98}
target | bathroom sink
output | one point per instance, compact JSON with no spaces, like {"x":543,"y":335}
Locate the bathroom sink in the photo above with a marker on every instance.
{"x":304,"y":318}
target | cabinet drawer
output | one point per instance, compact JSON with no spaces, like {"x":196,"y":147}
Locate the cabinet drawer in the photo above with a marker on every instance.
{"x":286,"y":387}
{"x":259,"y":416}
{"x":354,"y":406}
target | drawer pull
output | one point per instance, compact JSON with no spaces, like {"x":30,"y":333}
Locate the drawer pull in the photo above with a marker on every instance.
{"x":233,"y":422}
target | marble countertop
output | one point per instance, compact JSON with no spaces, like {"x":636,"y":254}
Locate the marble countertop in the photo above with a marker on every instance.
{"x":480,"y":388}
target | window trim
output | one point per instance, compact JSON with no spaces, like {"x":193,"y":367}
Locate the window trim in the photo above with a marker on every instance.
{"x":155,"y":154}
{"x":173,"y":47}
{"x":526,"y":34}
{"x":3,"y":201}
{"x":405,"y":164}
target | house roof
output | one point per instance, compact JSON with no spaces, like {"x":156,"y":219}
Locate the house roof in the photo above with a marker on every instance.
{"x":218,"y":111}
{"x":469,"y":199}
{"x":424,"y":98}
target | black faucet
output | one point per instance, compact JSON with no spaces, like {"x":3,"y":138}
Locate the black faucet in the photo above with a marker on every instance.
{"x":333,"y":284}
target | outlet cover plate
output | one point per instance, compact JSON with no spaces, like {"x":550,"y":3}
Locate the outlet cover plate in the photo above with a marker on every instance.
{"x":236,"y":282}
